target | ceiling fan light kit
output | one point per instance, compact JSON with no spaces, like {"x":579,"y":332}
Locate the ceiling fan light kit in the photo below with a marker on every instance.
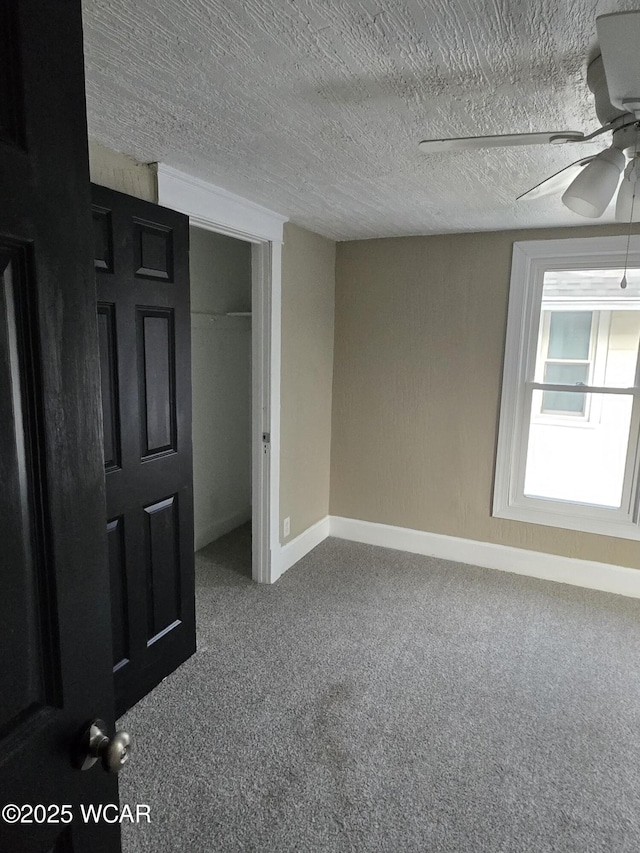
{"x":614,"y":79}
{"x":591,"y":192}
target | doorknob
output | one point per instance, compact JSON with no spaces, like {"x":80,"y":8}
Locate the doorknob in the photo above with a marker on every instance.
{"x":96,"y":744}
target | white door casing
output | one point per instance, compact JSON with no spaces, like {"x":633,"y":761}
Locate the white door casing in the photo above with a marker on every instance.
{"x":215,"y":209}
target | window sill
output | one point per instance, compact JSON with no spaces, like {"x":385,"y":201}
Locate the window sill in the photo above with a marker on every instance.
{"x":560,"y":514}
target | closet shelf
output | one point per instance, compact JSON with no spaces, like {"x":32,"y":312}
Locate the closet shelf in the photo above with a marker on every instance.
{"x":224,"y":314}
{"x":233,"y":320}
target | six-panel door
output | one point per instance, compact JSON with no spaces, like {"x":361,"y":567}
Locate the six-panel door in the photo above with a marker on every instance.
{"x":141,"y":259}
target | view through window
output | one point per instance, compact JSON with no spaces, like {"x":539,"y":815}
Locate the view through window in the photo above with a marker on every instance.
{"x":588,"y":336}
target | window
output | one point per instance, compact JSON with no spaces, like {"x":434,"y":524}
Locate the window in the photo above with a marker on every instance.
{"x":569,"y":433}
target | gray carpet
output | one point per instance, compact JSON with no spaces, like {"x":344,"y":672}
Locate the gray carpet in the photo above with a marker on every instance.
{"x":373,"y":700}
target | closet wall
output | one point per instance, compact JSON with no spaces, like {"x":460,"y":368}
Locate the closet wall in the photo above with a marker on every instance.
{"x":220,"y":270}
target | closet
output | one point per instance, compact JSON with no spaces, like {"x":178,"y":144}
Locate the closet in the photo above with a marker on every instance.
{"x":220,"y":270}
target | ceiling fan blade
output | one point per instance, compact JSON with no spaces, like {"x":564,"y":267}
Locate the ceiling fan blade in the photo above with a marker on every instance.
{"x":556,"y":182}
{"x":469,"y":143}
{"x":619,"y":35}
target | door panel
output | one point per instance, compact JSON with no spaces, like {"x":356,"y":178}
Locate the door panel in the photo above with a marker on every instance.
{"x":141,"y":260}
{"x":119,"y":597}
{"x":162,"y":556}
{"x":109,"y":385}
{"x":156,"y":388}
{"x":11,"y":103}
{"x":55,"y":631}
{"x":25,"y":640}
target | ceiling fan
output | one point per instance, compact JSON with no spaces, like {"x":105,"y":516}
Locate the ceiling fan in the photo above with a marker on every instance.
{"x":590,"y":183}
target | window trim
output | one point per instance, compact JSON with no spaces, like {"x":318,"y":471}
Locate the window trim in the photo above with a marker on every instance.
{"x":531,"y":260}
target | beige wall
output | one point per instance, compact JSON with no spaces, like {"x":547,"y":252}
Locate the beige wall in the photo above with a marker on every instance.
{"x":121,"y":172}
{"x":308,"y":283}
{"x":419,"y":342}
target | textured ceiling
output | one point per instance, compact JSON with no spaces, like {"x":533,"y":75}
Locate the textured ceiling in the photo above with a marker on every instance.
{"x":315,"y":109}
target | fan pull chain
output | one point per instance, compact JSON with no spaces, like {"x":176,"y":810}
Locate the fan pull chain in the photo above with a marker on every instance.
{"x":623,"y":282}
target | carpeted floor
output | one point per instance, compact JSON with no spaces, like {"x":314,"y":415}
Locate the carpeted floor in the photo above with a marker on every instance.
{"x":373,"y":700}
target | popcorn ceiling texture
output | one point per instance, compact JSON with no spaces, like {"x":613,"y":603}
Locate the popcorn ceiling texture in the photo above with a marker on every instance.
{"x":315,"y":109}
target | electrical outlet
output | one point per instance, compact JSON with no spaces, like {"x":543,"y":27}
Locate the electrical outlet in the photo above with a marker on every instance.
{"x":287,"y":526}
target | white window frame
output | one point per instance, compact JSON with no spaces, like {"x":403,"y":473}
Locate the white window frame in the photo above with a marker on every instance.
{"x":531,"y":260}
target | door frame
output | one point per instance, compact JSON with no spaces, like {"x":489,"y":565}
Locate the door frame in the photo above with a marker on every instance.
{"x":214,"y":209}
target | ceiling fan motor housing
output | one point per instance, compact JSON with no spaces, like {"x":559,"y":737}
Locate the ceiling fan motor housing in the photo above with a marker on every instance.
{"x":597,"y":83}
{"x":618,"y":37}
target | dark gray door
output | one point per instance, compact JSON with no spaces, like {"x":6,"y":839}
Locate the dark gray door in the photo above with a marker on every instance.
{"x":141,"y":256}
{"x":55,"y":632}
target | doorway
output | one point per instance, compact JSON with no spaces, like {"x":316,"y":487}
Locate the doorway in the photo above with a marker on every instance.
{"x":221,"y":356}
{"x":213,"y":209}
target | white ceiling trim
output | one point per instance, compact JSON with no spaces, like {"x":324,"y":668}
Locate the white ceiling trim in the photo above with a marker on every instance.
{"x":206,"y":204}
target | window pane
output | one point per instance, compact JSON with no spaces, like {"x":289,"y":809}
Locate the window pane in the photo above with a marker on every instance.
{"x":581,"y":461}
{"x":570,"y":334}
{"x":584,"y":285}
{"x":569,"y":298}
{"x":563,"y":402}
{"x":565,"y":373}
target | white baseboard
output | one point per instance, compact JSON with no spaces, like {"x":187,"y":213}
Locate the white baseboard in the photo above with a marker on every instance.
{"x":221,"y":526}
{"x":300,"y":547}
{"x":520,"y":561}
{"x":601,"y":576}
